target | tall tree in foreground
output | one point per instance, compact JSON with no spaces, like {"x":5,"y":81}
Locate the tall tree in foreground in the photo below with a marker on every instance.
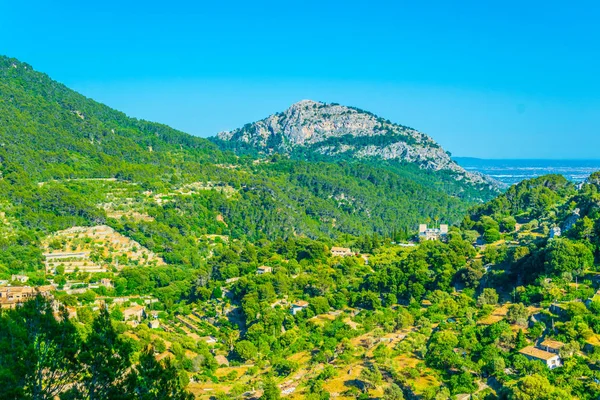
{"x":154,"y":380}
{"x":37,"y":352}
{"x":105,"y":361}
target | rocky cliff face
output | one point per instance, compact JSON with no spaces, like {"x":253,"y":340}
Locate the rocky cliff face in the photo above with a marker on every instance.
{"x":336,"y":130}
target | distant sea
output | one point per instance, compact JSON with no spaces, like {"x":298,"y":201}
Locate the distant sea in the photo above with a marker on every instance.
{"x":514,"y":171}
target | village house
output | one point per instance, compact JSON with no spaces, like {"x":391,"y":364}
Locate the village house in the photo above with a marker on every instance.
{"x":154,"y":324}
{"x":107,"y":283}
{"x":19,"y":278}
{"x":135,"y":313}
{"x":426,"y":233}
{"x":341,"y":251}
{"x":264,"y":270}
{"x":208,"y":339}
{"x":11,"y":296}
{"x":550,"y":359}
{"x":298,"y":306}
{"x":551,"y":346}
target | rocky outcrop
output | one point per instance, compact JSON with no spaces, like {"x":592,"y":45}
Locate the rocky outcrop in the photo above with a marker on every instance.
{"x":336,"y":130}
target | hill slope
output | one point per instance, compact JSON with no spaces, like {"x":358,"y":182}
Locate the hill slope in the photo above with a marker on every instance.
{"x":51,"y":133}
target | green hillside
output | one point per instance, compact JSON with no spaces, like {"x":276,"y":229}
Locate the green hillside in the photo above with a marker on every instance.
{"x":51,"y":133}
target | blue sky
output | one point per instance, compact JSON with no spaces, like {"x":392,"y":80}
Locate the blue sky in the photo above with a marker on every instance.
{"x":485,"y":79}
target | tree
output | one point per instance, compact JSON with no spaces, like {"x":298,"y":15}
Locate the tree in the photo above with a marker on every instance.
{"x":105,"y":359}
{"x":246,"y":350}
{"x":536,"y":387}
{"x":520,"y":340}
{"x":271,"y":391}
{"x":393,"y":392}
{"x":517,"y":314}
{"x":491,"y":230}
{"x":155,"y":380}
{"x":488,"y":296}
{"x":562,"y":255}
{"x":37,"y":352}
{"x":370,"y":377}
{"x":440,"y":350}
{"x":508,"y":224}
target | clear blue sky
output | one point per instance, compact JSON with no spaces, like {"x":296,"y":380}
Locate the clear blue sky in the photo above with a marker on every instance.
{"x":484,"y":78}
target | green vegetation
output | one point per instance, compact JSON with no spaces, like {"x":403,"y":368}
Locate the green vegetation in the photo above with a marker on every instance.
{"x":174,"y":232}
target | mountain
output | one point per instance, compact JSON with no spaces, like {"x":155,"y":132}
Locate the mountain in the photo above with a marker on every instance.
{"x":332,"y":131}
{"x":54,"y":141}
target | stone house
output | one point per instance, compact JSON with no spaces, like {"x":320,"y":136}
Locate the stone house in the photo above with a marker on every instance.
{"x":264,"y":270}
{"x":341,"y":251}
{"x":135,"y":313}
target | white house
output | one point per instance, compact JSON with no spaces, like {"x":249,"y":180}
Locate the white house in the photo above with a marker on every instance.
{"x":298,"y":306}
{"x":551,"y":346}
{"x":341,"y":251}
{"x":550,"y":359}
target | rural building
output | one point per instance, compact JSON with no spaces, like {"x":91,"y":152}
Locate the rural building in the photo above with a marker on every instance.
{"x":298,"y":306}
{"x":154,"y":324}
{"x":106,"y":283}
{"x":426,"y":233}
{"x":551,"y":346}
{"x":341,"y":251}
{"x":264,"y":270}
{"x":20,"y":278}
{"x":550,"y":359}
{"x":209,"y":339}
{"x":11,"y":296}
{"x":135,"y":313}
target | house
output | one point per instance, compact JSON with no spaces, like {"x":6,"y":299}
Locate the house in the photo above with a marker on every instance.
{"x":341,"y":251}
{"x":208,"y":339}
{"x":154,"y":324}
{"x":264,"y":270}
{"x":11,"y":296}
{"x":20,"y":278}
{"x":135,"y":313}
{"x":298,"y":306}
{"x":426,"y":233}
{"x":107,"y":283}
{"x":551,"y":346}
{"x":550,"y":359}
{"x":555,"y":232}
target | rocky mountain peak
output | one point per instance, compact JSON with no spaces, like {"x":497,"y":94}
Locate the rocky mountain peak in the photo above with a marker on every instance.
{"x":344,"y":132}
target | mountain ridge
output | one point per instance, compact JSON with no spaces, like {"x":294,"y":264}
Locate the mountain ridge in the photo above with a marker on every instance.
{"x":333,"y":130}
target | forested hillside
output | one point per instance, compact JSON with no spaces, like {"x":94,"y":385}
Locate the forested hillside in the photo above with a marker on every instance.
{"x":50,"y":133}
